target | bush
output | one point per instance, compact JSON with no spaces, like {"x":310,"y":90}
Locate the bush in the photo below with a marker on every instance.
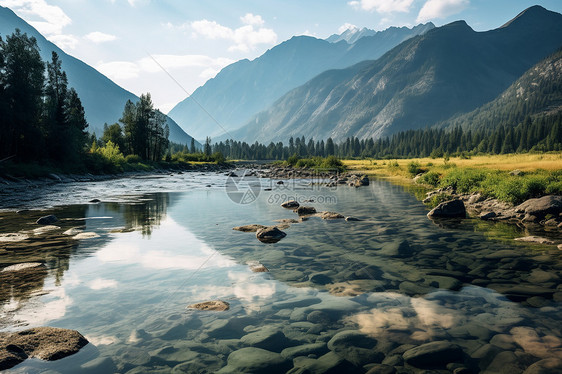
{"x":431,"y":178}
{"x":554,"y":188}
{"x":133,"y":159}
{"x":463,"y":180}
{"x":293,"y":160}
{"x":414,"y":168}
{"x":438,"y":199}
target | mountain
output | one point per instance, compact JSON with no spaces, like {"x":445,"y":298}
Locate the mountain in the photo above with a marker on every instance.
{"x":423,"y":81}
{"x":103,"y":100}
{"x":537,"y":93}
{"x":351,"y":35}
{"x":244,"y":88}
{"x":391,"y":36}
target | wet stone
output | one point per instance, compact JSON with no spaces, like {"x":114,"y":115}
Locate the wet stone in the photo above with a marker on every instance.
{"x":214,"y":305}
{"x":434,"y":354}
{"x":47,"y":220}
{"x":256,"y":360}
{"x":268,"y":338}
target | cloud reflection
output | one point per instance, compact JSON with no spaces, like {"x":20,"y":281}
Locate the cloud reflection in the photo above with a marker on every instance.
{"x":179,"y":249}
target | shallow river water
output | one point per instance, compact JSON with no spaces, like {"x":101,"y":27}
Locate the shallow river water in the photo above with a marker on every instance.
{"x":339,"y":297}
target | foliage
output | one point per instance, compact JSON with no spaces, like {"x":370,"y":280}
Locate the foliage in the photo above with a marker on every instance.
{"x":431,"y":178}
{"x":414,"y":168}
{"x":438,"y":199}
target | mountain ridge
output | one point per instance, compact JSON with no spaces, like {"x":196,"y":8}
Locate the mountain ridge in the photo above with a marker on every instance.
{"x":246,"y":87}
{"x":425,"y":80}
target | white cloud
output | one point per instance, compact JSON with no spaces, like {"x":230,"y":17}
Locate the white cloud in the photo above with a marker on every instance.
{"x":383,"y":6}
{"x":132,"y":69}
{"x":100,"y":37}
{"x":433,"y":9}
{"x":64,"y":41}
{"x":347,"y":26}
{"x":119,"y":69}
{"x":245,"y":38}
{"x":47,"y":19}
{"x":100,"y":284}
{"x":251,"y":19}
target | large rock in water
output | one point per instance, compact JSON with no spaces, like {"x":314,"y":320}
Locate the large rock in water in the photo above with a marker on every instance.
{"x":541,"y":206}
{"x":433,"y":355}
{"x":270,"y":235}
{"x":256,"y":361}
{"x":448,"y":209}
{"x":45,"y":343}
{"x":47,"y":220}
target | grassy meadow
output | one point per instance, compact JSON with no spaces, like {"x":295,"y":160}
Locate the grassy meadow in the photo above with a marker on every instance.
{"x":512,"y":178}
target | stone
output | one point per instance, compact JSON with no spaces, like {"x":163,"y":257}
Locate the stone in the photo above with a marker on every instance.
{"x":331,"y":215}
{"x":13,"y":237}
{"x":546,"y":366}
{"x":268,"y":338}
{"x":541,"y":206}
{"x":22,"y":266}
{"x":503,"y":341}
{"x":347,"y":338}
{"x":330,"y":363}
{"x":412,"y":289}
{"x":257,"y":361}
{"x":381,"y":369}
{"x":434,"y":354}
{"x":321,"y":279}
{"x":45,"y":343}
{"x":399,"y":249}
{"x":95,"y":201}
{"x":487,"y":215}
{"x":47,"y":220}
{"x":535,"y":239}
{"x":318,"y":316}
{"x":505,"y":362}
{"x":305,"y":210}
{"x":214,"y":305}
{"x":317,"y":349}
{"x":249,"y":228}
{"x":352,"y":219}
{"x":449,"y":209}
{"x":257,"y":267}
{"x":270,"y":235}
{"x":101,"y":364}
{"x":85,"y":235}
{"x":291,"y":204}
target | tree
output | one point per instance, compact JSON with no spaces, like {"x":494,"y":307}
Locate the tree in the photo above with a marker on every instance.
{"x":192,"y":148}
{"x":113,"y":133}
{"x":55,"y":127}
{"x":207,"y":147}
{"x":76,"y":122}
{"x":22,"y":79}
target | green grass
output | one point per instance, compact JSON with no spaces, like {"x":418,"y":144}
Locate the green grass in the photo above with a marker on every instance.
{"x":316,"y":163}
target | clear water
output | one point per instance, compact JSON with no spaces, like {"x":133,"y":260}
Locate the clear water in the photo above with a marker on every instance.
{"x":154,"y":253}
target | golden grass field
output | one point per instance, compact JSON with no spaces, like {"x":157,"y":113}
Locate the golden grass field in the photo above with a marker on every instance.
{"x":523,"y":162}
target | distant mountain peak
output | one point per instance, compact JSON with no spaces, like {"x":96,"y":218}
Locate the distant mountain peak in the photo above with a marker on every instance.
{"x":353,"y":34}
{"x":532,"y":12}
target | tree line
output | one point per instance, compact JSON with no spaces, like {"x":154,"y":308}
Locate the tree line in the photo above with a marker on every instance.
{"x":541,"y":134}
{"x":41,"y":118}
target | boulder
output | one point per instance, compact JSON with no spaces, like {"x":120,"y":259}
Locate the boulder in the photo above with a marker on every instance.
{"x":249,"y":228}
{"x":291,"y":204}
{"x":331,"y":215}
{"x":534,"y":239}
{"x":214,"y":305}
{"x":541,"y":206}
{"x":45,"y":343}
{"x":269,"y":338}
{"x":487,"y":215}
{"x":352,"y":219}
{"x":399,"y":249}
{"x":347,"y":338}
{"x":305,"y":210}
{"x":22,"y":266}
{"x":257,"y":267}
{"x":546,"y":366}
{"x":270,"y":235}
{"x":256,"y":361}
{"x":47,"y":220}
{"x":448,"y":209}
{"x":432,"y":355}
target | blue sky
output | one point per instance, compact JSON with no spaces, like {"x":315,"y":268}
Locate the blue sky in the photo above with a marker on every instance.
{"x":194,"y":39}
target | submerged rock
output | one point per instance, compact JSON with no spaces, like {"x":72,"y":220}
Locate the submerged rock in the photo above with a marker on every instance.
{"x":270,"y":235}
{"x":291,"y":204}
{"x":534,"y":239}
{"x":257,"y":361}
{"x":214,"y":305}
{"x":47,"y":220}
{"x":305,"y":210}
{"x":257,"y":267}
{"x":331,"y":215}
{"x":249,"y":228}
{"x":45,"y":343}
{"x":434,"y":354}
{"x":448,"y":209}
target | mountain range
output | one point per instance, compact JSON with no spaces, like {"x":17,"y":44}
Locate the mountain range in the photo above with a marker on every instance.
{"x":422,"y":82}
{"x":244,"y":88}
{"x":103,"y":100}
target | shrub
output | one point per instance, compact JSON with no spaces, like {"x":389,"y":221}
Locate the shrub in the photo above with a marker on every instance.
{"x":414,"y":168}
{"x":438,"y":199}
{"x":431,"y":178}
{"x":554,"y":188}
{"x":463,"y":180}
{"x":293,"y":160}
{"x":133,"y":159}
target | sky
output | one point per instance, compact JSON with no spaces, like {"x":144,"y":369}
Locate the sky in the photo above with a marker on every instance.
{"x":171,"y":47}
